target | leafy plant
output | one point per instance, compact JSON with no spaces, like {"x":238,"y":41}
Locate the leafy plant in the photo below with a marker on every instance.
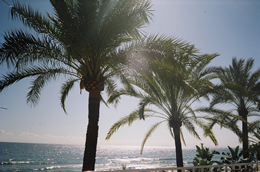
{"x":204,"y":154}
{"x":233,"y":156}
{"x":204,"y":157}
{"x":254,"y":152}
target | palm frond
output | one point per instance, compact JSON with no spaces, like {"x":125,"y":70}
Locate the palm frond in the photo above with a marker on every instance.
{"x":66,"y":87}
{"x":143,"y":103}
{"x":103,"y":100}
{"x":22,"y":48}
{"x":42,"y":79}
{"x":170,"y":130}
{"x":149,"y":133}
{"x":32,"y":18}
{"x":226,"y":122}
{"x":111,"y":90}
{"x":190,"y":127}
{"x":218,"y":112}
{"x":182,"y":137}
{"x":16,"y":76}
{"x":123,"y":121}
{"x":209,"y":133}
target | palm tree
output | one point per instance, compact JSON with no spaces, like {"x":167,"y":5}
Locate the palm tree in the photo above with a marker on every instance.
{"x":83,"y":40}
{"x":239,"y":87}
{"x":171,"y":78}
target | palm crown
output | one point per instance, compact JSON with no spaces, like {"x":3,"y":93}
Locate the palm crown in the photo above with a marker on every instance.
{"x":83,"y":39}
{"x":242,"y":86}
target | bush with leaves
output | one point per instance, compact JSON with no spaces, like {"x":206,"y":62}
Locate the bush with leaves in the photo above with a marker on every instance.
{"x":233,"y":156}
{"x":204,"y":157}
{"x":254,"y":152}
{"x":236,"y":156}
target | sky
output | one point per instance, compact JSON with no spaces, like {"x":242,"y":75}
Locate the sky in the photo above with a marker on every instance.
{"x":230,"y":28}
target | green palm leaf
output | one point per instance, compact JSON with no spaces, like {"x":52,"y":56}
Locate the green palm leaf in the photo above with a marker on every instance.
{"x":43,"y":71}
{"x":149,"y":133}
{"x":123,"y":121}
{"x":66,"y":87}
{"x":32,"y":18}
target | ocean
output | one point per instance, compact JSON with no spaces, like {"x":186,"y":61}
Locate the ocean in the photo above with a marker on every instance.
{"x":68,"y":158}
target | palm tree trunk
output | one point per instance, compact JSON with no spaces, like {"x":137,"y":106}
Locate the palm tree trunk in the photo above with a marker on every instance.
{"x":178,"y":148}
{"x":243,"y":112}
{"x":92,"y":131}
{"x":245,"y":137}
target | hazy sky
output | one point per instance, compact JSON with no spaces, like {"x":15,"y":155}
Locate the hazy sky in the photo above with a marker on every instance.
{"x":230,"y":28}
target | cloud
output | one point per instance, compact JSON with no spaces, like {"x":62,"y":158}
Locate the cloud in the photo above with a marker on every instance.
{"x":2,"y":131}
{"x":27,"y":134}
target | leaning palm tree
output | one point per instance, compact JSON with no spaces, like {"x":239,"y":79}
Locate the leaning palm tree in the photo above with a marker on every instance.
{"x":240,"y":88}
{"x":171,"y":78}
{"x":82,"y":40}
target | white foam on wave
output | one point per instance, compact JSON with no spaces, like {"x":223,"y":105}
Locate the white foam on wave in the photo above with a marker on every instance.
{"x":58,"y":167}
{"x":16,"y":162}
{"x":13,"y":162}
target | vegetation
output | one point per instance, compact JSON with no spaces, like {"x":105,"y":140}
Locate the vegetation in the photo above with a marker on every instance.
{"x":83,"y":41}
{"x":172,"y":77}
{"x":233,"y":156}
{"x":95,"y":43}
{"x":240,"y":88}
{"x":254,"y":152}
{"x":204,"y":156}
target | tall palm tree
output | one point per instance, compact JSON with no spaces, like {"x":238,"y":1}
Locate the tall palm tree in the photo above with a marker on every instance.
{"x":240,"y":88}
{"x":171,"y":78}
{"x":82,"y":40}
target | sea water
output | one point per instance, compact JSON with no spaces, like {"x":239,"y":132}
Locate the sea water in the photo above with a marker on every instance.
{"x":68,"y":158}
